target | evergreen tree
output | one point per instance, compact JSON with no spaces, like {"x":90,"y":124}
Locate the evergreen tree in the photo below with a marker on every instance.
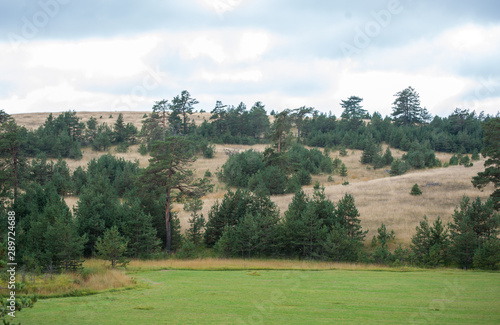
{"x":167,"y":169}
{"x":96,"y":210}
{"x":112,"y":247}
{"x":299,"y":114}
{"x":137,"y":228}
{"x":12,"y":139}
{"x":183,"y":105}
{"x":491,"y":151}
{"x":196,"y":223}
{"x":343,"y":170}
{"x":429,"y":245}
{"x":370,"y":153}
{"x":472,"y":226}
{"x":347,"y":216}
{"x":64,"y":245}
{"x":415,"y":190}
{"x":406,"y":109}
{"x":280,"y":133}
{"x":119,"y":130}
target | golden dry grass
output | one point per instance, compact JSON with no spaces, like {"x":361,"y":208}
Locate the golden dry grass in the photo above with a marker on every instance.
{"x":249,"y":264}
{"x":98,"y":278}
{"x":379,"y":197}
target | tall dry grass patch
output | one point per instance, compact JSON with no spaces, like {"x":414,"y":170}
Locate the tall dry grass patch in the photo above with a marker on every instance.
{"x":95,"y":277}
{"x":215,"y":264}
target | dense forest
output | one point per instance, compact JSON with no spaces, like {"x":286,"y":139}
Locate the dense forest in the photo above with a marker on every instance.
{"x":125,"y":211}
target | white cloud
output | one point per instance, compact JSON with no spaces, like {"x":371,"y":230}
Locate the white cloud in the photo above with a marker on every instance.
{"x":114,"y":58}
{"x":252,"y":45}
{"x":222,"y":6}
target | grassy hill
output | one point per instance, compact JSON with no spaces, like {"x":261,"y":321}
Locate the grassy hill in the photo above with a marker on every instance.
{"x":379,"y":198}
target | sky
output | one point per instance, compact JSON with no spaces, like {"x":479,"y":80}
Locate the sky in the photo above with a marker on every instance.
{"x":110,"y":55}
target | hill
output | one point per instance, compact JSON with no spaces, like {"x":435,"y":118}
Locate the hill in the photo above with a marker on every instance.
{"x":379,"y":197}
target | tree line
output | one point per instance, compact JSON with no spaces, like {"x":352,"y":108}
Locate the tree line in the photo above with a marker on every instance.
{"x":122,"y":205}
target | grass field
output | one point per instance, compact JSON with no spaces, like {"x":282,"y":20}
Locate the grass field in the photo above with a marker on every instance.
{"x":284,"y":297}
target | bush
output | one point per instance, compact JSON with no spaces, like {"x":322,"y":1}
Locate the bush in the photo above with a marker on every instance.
{"x":208,"y":174}
{"x":238,"y":169}
{"x":488,"y":255}
{"x":398,"y":167}
{"x":122,"y":147}
{"x":143,"y":149}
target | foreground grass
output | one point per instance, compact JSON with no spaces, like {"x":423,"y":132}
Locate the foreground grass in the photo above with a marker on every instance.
{"x":284,"y":297}
{"x":95,"y":277}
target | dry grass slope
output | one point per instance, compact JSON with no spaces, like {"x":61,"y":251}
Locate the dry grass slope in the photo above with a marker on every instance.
{"x":379,"y":198}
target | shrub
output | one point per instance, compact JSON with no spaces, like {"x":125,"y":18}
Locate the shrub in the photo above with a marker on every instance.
{"x":238,"y":169}
{"x":143,"y":149}
{"x":398,"y":167}
{"x":208,"y":174}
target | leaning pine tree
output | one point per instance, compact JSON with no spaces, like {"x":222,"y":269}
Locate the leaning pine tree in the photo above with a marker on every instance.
{"x":168,"y":170}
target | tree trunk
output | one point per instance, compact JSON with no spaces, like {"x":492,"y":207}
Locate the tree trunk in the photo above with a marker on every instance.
{"x":16,"y":182}
{"x":167,"y":223}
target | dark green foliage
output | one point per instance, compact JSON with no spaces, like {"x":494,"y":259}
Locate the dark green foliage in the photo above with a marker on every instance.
{"x":238,"y":169}
{"x":271,"y":178}
{"x":429,"y":245}
{"x":475,"y":155}
{"x":415,"y":190}
{"x":168,"y":171}
{"x":382,"y":254}
{"x":112,"y":247}
{"x":97,"y":209}
{"x":491,"y":151}
{"x":195,"y":232}
{"x":398,"y":167}
{"x":472,"y":226}
{"x":47,"y":231}
{"x":208,"y":150}
{"x":103,"y":138}
{"x":370,"y":153}
{"x":343,"y":151}
{"x":120,"y":173}
{"x":352,"y":109}
{"x":143,"y":149}
{"x":12,"y":143}
{"x":59,"y":137}
{"x":407,"y":110}
{"x":137,"y":228}
{"x":454,"y":160}
{"x":343,"y":170}
{"x":421,"y":156}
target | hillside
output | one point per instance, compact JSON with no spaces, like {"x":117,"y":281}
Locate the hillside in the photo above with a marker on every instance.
{"x":379,"y":198}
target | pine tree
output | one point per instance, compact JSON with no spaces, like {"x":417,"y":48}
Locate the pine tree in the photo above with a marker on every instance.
{"x":348,"y":217}
{"x":167,"y":169}
{"x":12,"y":141}
{"x":473,"y":225}
{"x":182,"y":106}
{"x":491,"y":151}
{"x":119,"y":130}
{"x":429,"y":245}
{"x":406,"y":109}
{"x":112,"y":247}
{"x":343,"y":170}
{"x":415,"y":190}
{"x":137,"y":228}
{"x":196,"y":223}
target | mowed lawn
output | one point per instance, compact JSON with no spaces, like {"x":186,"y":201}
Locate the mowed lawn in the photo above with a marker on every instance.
{"x":284,"y":297}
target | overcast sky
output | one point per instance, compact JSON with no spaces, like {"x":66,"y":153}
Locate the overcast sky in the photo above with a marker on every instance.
{"x":111,"y":55}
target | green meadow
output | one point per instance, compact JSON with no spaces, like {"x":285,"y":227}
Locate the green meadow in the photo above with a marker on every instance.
{"x":284,"y":297}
